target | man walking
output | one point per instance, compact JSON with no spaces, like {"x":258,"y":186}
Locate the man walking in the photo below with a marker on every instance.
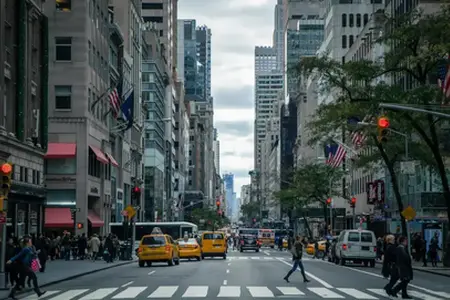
{"x":297,"y":253}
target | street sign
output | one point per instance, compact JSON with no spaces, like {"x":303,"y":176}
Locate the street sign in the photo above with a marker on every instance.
{"x":130,"y":211}
{"x":124,"y":213}
{"x":409,"y":213}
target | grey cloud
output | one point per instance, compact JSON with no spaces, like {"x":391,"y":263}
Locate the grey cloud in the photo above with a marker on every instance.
{"x":240,"y":154}
{"x":238,"y":173}
{"x":241,"y":97}
{"x":236,"y":128}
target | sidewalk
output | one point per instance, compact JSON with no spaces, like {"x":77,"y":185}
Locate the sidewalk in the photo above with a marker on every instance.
{"x":61,"y":270}
{"x":439,"y":270}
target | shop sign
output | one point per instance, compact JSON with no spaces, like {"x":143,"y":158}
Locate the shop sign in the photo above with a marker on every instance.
{"x":94,"y":190}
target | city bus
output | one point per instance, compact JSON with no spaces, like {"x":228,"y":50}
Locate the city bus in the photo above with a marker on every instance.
{"x":176,"y":230}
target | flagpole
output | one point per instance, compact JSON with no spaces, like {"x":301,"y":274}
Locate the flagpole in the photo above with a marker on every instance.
{"x":345,"y":146}
{"x":100,"y":98}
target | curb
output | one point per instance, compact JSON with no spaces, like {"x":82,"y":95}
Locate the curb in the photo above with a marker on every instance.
{"x":425,"y":271}
{"x":74,"y":277}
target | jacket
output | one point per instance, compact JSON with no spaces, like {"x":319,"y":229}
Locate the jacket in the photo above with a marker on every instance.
{"x":25,"y":256}
{"x":403,"y":263}
{"x":389,"y":267}
{"x":298,"y":250}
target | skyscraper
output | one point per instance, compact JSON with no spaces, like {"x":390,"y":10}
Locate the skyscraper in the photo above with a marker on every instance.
{"x":228,"y":180}
{"x":203,"y":37}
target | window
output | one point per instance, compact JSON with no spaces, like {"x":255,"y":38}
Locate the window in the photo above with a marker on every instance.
{"x":366,"y":19}
{"x":351,"y":21}
{"x":358,"y":20}
{"x":63,"y":48}
{"x":94,"y":168}
{"x":63,"y":5}
{"x":344,"y":20}
{"x":154,"y":241}
{"x":63,"y":97}
{"x":212,"y":236}
{"x":351,"y":39}
{"x":344,"y":42}
{"x":61,"y":166}
{"x":366,"y":237}
{"x":353,"y":236}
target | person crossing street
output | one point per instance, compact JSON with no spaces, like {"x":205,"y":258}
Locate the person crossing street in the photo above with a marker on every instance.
{"x":297,"y":253}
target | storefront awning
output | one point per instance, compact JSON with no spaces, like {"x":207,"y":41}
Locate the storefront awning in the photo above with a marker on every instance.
{"x":95,"y":220}
{"x":112,"y":160}
{"x":61,"y":150}
{"x":58,"y":218}
{"x":100,"y":155}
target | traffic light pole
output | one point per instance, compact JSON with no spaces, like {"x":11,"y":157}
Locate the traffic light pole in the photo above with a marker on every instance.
{"x":3,"y":285}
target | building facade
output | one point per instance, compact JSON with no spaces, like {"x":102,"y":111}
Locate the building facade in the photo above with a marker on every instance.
{"x":24,"y":111}
{"x":228,"y":180}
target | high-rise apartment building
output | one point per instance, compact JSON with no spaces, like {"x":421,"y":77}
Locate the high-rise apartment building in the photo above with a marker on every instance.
{"x":278,"y":34}
{"x":228,"y":180}
{"x":203,"y":37}
{"x":24,"y":111}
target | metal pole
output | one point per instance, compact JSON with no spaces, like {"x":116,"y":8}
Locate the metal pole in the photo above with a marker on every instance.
{"x":413,"y":109}
{"x":354,"y":217}
{"x":3,"y":285}
{"x":133,"y":236}
{"x":331,"y":217}
{"x":408,"y":235}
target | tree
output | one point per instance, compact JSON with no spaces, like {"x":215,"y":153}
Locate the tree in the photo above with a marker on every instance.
{"x":250,"y":210}
{"x":312,"y":183}
{"x":418,"y":44}
{"x":208,"y":219}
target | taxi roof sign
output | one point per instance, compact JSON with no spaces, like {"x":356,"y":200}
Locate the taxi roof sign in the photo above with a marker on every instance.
{"x":157,"y":230}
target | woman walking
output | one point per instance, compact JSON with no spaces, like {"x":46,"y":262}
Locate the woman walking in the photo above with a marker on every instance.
{"x":25,"y":259}
{"x":297,"y":253}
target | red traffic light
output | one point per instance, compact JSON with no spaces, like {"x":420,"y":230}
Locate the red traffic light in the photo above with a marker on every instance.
{"x":6,"y":168}
{"x":383,"y":122}
{"x":217,"y":203}
{"x":328,"y":201}
{"x":353,"y":201}
{"x":80,"y":225}
{"x":137,"y":189}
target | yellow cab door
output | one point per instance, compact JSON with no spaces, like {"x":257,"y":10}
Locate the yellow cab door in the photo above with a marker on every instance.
{"x":154,"y":246}
{"x":213,"y":242}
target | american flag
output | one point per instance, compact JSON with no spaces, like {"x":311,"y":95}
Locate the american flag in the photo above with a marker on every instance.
{"x":335,"y":156}
{"x":114,"y":101}
{"x":358,"y":139}
{"x":444,"y":78}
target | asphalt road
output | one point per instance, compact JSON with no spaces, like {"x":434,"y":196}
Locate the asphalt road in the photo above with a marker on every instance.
{"x":245,"y":275}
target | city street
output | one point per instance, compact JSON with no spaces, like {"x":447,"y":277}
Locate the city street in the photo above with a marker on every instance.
{"x":242,"y":275}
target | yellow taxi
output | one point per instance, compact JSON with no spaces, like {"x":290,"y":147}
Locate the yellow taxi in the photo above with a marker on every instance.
{"x":310,"y":249}
{"x":285,"y":243}
{"x":189,"y":248}
{"x":213,"y":244}
{"x":158,"y":247}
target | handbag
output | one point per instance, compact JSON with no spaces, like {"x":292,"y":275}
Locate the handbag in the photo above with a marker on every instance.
{"x":35,"y":265}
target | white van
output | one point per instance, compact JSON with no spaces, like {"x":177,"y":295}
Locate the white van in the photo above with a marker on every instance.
{"x":356,"y":246}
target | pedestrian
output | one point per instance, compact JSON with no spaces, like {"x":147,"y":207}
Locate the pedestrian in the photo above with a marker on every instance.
{"x":404,"y":268}
{"x":297,"y":253}
{"x":389,"y":269}
{"x":26,"y":258}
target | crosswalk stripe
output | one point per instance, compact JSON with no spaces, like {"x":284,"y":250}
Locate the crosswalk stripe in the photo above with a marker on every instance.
{"x":356,"y":294}
{"x":130,"y":292}
{"x":70,"y":294}
{"x":200,"y":291}
{"x":290,"y":291}
{"x":99,"y":294}
{"x":260,"y":292}
{"x":255,"y":257}
{"x":46,"y":295}
{"x":166,"y":291}
{"x":325,"y":293}
{"x":379,"y":292}
{"x":229,"y":292}
{"x":422,"y":296}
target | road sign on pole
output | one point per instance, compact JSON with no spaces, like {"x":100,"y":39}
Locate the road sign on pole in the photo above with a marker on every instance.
{"x":131,"y":211}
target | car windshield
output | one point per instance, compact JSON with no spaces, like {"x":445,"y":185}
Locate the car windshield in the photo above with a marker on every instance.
{"x":213,"y":236}
{"x":188,"y":242}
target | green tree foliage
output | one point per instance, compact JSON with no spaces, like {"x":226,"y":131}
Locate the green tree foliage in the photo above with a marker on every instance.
{"x":418,"y":43}
{"x":208,"y":219}
{"x":250,"y":210}
{"x":312,"y":183}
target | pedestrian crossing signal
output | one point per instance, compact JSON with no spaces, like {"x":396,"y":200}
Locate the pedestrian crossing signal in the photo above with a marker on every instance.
{"x":6,"y":173}
{"x":79,"y":225}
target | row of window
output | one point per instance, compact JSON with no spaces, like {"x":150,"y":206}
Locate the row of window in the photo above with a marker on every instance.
{"x":347,"y":43}
{"x":351,"y":20}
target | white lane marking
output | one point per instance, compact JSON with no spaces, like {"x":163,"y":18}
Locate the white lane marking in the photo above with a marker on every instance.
{"x":164,"y":291}
{"x":325,"y":293}
{"x":130,"y":293}
{"x":422,"y":296}
{"x":440,"y":294}
{"x":47,"y":294}
{"x":266,"y":253}
{"x":225,"y":282}
{"x":356,"y":294}
{"x":260,"y":292}
{"x":290,"y":291}
{"x":99,"y":294}
{"x":229,"y":292}
{"x":268,"y":258}
{"x":322,"y":282}
{"x":196,"y":292}
{"x":379,"y":292}
{"x":128,"y":283}
{"x":228,"y":271}
{"x":255,"y":257}
{"x":229,"y":264}
{"x":69,"y":294}
{"x":151,"y":272}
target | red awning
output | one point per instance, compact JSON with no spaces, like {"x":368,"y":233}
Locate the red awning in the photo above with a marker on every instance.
{"x":95,"y":219}
{"x":112,"y":160}
{"x":58,"y":218}
{"x":61,"y":150}
{"x":100,"y":155}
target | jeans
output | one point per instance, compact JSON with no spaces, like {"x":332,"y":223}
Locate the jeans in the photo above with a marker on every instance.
{"x":297,"y":264}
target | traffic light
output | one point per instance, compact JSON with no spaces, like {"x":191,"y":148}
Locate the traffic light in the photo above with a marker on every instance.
{"x":6,"y":173}
{"x":353,"y":202}
{"x":79,"y":225}
{"x":135,"y":194}
{"x":218,"y":204}
{"x":383,"y":128}
{"x":328,"y":201}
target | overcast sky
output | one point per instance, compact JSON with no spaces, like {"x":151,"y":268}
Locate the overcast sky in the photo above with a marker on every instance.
{"x":237,"y":27}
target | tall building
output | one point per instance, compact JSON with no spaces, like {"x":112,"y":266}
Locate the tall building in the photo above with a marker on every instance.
{"x":278,"y":33}
{"x":203,"y":37}
{"x":163,"y":16}
{"x":24,"y":111}
{"x":268,"y":86}
{"x":228,"y":180}
{"x":216,"y":149}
